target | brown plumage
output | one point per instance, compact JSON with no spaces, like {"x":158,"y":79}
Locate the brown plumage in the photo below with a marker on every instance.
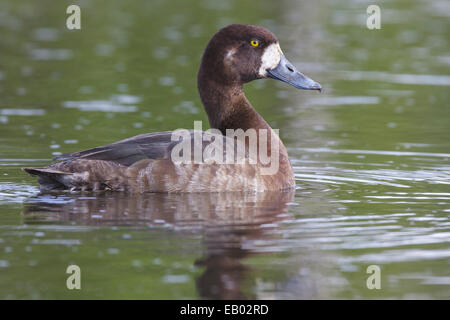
{"x":144,"y":164}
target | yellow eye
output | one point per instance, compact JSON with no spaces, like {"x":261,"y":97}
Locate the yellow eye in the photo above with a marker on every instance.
{"x":254,"y":43}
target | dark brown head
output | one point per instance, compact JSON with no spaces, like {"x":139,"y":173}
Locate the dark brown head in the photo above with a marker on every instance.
{"x":241,"y":53}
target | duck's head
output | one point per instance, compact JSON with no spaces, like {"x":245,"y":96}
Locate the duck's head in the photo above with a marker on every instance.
{"x":241,"y":53}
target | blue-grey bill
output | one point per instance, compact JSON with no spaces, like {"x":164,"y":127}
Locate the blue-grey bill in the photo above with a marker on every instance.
{"x":286,"y":72}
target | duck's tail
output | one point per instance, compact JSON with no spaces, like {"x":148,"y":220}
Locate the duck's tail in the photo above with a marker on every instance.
{"x":48,"y":178}
{"x":81,"y":174}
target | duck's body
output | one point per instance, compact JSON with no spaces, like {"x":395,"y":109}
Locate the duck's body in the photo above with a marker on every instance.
{"x":145,"y":163}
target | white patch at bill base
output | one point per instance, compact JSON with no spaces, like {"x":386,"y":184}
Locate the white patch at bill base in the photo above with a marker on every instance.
{"x":270,"y":59}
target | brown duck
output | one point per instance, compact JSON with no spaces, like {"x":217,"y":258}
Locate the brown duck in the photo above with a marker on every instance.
{"x":235,"y":55}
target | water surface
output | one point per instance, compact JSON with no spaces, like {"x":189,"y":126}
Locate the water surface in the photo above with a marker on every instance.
{"x":370,"y":154}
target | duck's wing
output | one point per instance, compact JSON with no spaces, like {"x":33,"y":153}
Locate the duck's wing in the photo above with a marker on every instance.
{"x":126,"y":152}
{"x":154,"y":146}
{"x":117,"y":166}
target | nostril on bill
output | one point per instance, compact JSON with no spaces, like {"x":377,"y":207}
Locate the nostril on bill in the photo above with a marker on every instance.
{"x":290,"y":68}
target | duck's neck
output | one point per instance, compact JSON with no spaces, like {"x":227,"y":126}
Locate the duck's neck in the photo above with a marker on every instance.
{"x":227,"y":107}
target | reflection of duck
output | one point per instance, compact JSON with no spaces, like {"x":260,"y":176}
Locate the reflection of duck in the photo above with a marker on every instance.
{"x":235,"y":55}
{"x":229,"y":222}
{"x":181,"y":209}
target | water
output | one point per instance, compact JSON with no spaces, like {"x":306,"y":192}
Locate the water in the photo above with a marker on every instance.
{"x":370,"y":154}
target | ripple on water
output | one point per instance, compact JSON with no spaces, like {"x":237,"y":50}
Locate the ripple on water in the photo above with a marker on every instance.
{"x":414,"y":79}
{"x":16,"y":193}
{"x":47,"y":54}
{"x":358,"y":177}
{"x":22,"y":112}
{"x":346,"y":100}
{"x":46,"y":34}
{"x":376,"y":152}
{"x":116,"y":103}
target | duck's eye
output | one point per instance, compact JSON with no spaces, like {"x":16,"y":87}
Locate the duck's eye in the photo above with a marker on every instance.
{"x":254,"y":43}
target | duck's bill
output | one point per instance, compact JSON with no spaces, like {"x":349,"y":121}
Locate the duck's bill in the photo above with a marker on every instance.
{"x":286,"y":72}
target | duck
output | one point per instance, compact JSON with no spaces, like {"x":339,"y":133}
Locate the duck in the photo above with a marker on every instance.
{"x":235,"y":55}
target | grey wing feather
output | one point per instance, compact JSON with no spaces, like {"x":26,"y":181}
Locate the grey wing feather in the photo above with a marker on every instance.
{"x":156,"y":145}
{"x":126,"y":152}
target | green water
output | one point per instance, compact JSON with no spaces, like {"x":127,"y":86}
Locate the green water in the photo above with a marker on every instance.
{"x":370,"y":154}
